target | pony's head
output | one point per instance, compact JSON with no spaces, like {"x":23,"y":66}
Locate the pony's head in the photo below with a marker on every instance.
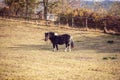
{"x":48,"y":35}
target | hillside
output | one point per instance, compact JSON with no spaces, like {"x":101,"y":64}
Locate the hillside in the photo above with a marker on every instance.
{"x":24,"y":55}
{"x":90,"y":4}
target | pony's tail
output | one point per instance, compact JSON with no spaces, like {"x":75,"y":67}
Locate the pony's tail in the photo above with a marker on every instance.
{"x":72,"y":43}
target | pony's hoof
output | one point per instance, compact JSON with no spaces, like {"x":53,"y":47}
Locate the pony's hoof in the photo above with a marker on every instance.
{"x":65,"y":50}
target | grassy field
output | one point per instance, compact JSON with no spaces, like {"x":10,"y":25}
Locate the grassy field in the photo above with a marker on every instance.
{"x":24,"y":55}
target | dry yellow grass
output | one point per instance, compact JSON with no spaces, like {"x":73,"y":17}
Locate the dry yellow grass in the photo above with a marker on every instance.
{"x":25,"y":56}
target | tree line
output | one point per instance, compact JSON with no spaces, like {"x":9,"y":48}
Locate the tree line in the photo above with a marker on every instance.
{"x":66,"y":11}
{"x":59,"y":7}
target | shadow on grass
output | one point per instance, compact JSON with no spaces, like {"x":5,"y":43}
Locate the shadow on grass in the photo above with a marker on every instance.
{"x":30,"y":47}
{"x":84,"y":43}
{"x":99,"y":44}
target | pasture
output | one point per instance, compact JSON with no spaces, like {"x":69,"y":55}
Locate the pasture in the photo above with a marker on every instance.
{"x":24,"y":55}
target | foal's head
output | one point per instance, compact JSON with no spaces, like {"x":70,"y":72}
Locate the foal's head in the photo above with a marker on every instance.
{"x":48,"y":35}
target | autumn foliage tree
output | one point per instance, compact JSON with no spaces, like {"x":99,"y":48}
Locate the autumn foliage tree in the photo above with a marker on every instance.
{"x":21,"y":7}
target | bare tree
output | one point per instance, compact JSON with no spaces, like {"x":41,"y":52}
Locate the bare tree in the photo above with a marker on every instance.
{"x":45,"y":4}
{"x":115,"y":8}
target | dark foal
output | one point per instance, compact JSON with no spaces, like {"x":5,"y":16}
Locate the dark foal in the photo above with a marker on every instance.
{"x":59,"y":40}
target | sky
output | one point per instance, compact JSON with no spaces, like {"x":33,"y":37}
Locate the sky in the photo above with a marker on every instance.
{"x":1,"y":0}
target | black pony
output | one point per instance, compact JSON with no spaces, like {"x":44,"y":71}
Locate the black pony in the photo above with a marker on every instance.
{"x":59,"y":40}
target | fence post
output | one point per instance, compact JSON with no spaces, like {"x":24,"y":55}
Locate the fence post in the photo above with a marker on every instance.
{"x":59,"y":20}
{"x":105,"y":27}
{"x":86,"y":23}
{"x":72,"y":21}
{"x":67,"y":22}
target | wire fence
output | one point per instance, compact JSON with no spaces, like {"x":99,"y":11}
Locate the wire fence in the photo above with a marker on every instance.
{"x":85,"y":23}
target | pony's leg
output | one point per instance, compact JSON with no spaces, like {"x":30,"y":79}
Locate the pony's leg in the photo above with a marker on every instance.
{"x":54,"y":47}
{"x":66,"y":48}
{"x":69,"y":48}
